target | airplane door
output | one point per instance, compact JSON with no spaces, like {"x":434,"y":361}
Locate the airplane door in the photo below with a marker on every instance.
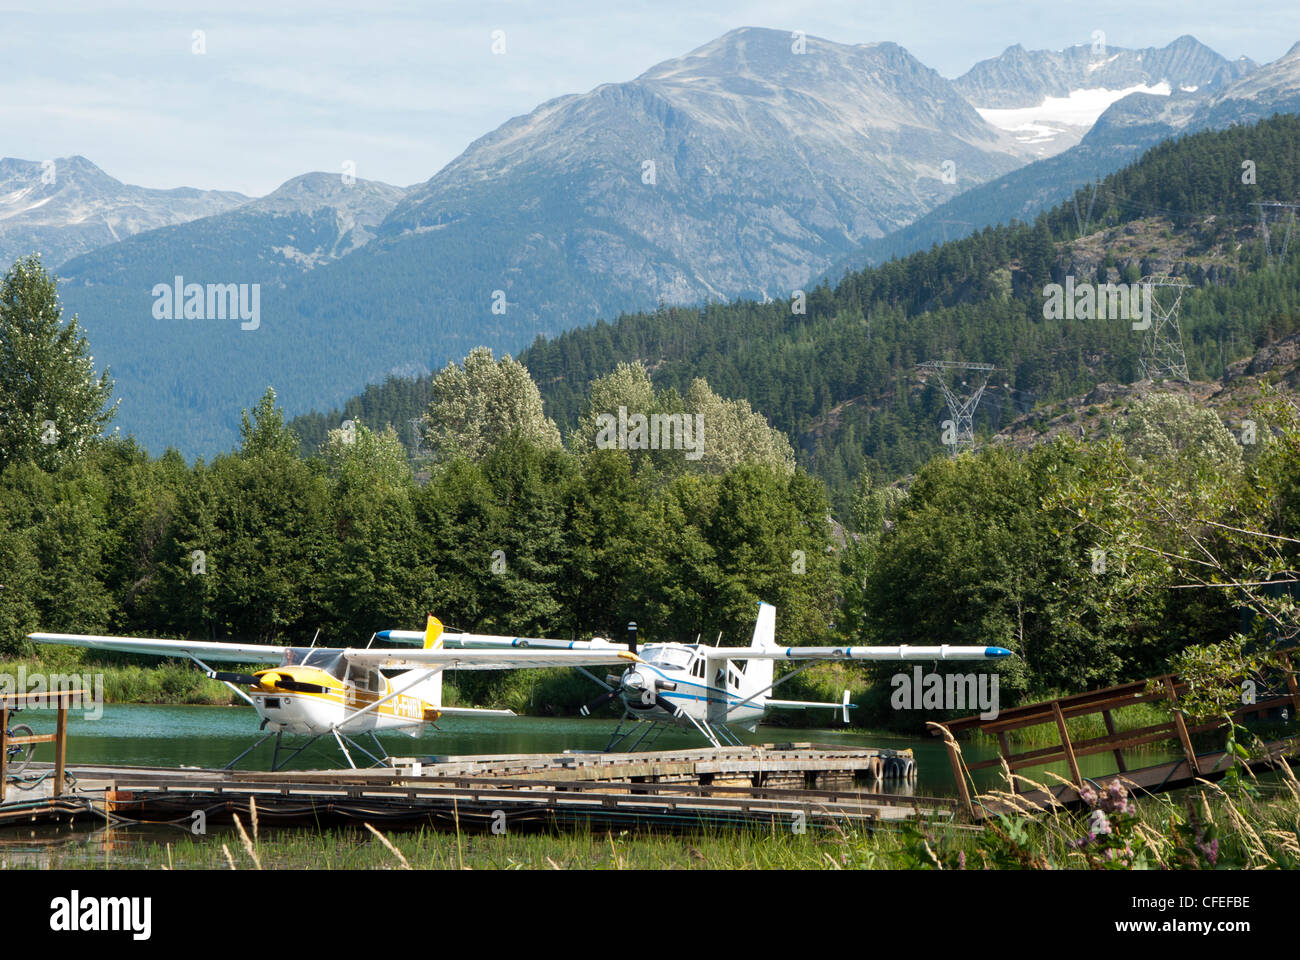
{"x":718,"y":700}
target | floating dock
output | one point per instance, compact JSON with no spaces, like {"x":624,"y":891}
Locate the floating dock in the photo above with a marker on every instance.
{"x":785,"y":786}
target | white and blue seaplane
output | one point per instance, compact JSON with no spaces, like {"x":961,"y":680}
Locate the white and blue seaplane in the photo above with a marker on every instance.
{"x":344,"y":693}
{"x":714,"y":688}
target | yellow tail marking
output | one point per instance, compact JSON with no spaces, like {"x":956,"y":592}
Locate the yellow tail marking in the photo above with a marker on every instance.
{"x":433,"y":634}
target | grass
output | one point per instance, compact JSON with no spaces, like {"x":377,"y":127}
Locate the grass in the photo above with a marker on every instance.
{"x":1250,"y":825}
{"x":425,"y":849}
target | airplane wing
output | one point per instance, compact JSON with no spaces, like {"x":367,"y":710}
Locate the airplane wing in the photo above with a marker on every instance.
{"x":485,"y":641}
{"x":204,"y":649}
{"x":487,"y":659}
{"x":904,"y":652}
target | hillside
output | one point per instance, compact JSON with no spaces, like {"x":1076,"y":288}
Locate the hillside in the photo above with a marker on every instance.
{"x":841,"y":379}
{"x":1232,"y":398}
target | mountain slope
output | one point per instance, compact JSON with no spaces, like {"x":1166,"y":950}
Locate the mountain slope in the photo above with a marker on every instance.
{"x":70,"y":206}
{"x":309,"y":220}
{"x":841,"y":380}
{"x":740,"y":169}
{"x":1120,"y":135}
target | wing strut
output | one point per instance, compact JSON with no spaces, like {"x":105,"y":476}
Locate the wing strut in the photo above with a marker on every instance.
{"x":212,"y":673}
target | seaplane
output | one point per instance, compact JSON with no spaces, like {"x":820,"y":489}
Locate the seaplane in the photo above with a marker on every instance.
{"x":343,"y":692}
{"x":713,"y":688}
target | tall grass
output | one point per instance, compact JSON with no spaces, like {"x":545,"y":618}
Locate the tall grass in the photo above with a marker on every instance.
{"x":166,"y":683}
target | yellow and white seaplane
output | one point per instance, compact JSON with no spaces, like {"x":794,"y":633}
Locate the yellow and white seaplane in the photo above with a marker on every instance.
{"x":342,"y":692}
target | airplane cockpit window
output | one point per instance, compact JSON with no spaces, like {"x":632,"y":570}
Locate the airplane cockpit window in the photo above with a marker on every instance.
{"x":671,"y":657}
{"x":697,"y":668}
{"x":323,"y":658}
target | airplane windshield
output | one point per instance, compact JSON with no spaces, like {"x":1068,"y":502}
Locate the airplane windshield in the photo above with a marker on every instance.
{"x":671,"y":657}
{"x":323,"y":658}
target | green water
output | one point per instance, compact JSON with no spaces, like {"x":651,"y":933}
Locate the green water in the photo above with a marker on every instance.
{"x":199,"y":736}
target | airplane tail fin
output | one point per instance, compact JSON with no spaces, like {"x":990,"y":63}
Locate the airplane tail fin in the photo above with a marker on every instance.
{"x":430,"y":688}
{"x":433,"y":633}
{"x":757,"y":674}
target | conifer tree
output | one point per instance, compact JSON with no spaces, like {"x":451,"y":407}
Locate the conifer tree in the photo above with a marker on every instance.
{"x":52,"y":408}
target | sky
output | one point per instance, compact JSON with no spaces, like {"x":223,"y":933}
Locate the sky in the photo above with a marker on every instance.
{"x":393,"y":91}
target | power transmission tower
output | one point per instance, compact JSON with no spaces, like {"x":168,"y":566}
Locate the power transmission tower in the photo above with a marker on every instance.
{"x":959,"y":432}
{"x":1278,"y":208}
{"x":1163,"y":357}
{"x":956,"y":223}
{"x":417,"y":437}
{"x":1084,"y":220}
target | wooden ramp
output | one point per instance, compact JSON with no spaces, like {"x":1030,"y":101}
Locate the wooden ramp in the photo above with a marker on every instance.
{"x":1208,"y":765}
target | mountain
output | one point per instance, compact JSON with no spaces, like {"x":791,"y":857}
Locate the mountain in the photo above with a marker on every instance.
{"x":1121,"y":134}
{"x":766,"y":163}
{"x":1049,"y":99}
{"x":308,"y":221}
{"x":1272,"y":88}
{"x":740,"y":169}
{"x":70,"y":206}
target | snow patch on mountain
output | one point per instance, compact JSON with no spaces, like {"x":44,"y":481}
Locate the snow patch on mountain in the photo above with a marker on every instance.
{"x":1058,"y":123}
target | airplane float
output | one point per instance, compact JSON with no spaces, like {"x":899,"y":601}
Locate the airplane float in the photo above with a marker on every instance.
{"x":713,"y":688}
{"x":328,"y":691}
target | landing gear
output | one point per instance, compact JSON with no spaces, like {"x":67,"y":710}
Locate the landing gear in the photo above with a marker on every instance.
{"x":343,"y":741}
{"x":718,"y":734}
{"x":620,"y":735}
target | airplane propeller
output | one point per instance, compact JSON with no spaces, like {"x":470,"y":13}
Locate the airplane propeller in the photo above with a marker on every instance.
{"x":634,"y":691}
{"x":273,"y":680}
{"x":617,"y":688}
{"x":600,"y":701}
{"x":627,"y":690}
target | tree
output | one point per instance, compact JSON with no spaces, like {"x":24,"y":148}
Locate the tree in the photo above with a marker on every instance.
{"x":1171,"y":427}
{"x":265,"y":432}
{"x":735,"y":433}
{"x":628,"y":386}
{"x":51,"y":406}
{"x":477,"y":406}
{"x":377,"y":573}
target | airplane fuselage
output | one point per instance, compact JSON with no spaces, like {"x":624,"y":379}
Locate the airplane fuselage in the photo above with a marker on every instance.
{"x":287,"y":708}
{"x":675,"y":673}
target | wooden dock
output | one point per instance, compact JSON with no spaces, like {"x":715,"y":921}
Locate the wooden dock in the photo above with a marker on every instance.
{"x":788,"y":787}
